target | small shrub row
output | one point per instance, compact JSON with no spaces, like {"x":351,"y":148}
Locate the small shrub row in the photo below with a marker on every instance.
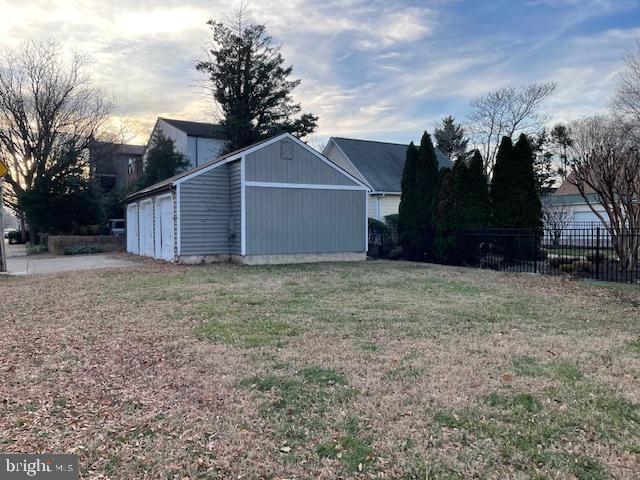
{"x":83,"y":249}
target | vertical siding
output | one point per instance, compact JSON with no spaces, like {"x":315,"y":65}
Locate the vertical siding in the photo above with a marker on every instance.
{"x":204,"y":213}
{"x":291,"y":220}
{"x":268,"y":165}
{"x":235,"y":206}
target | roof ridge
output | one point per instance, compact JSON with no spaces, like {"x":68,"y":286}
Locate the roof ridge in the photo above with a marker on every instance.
{"x":371,"y":141}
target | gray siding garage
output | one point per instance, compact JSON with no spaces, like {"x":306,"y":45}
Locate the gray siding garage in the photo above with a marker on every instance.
{"x":278,"y":201}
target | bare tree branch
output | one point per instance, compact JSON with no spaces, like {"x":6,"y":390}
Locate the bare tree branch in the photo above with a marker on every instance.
{"x":48,"y":111}
{"x":506,"y":112}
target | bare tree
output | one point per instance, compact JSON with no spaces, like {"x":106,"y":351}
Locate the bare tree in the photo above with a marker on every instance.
{"x":49,"y":114}
{"x":506,"y":112}
{"x":556,"y":217}
{"x":606,"y":171}
{"x":626,"y":101}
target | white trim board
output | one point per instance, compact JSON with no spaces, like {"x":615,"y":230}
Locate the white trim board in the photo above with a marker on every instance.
{"x":243,"y":205}
{"x":308,"y":186}
{"x":178,"y":231}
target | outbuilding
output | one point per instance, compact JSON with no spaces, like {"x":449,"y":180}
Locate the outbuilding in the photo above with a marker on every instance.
{"x":278,"y":201}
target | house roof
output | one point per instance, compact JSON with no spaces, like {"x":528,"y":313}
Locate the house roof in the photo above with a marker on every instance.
{"x":167,"y":183}
{"x":135,"y":150}
{"x":197,"y":129}
{"x":568,"y":187}
{"x":380,"y":163}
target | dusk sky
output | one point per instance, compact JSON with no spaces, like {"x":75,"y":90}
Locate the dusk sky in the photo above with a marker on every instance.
{"x":382,"y":70}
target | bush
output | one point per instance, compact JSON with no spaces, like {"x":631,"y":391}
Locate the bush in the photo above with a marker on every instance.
{"x":595,"y":257}
{"x":83,"y":249}
{"x":34,"y":249}
{"x":396,"y":253}
{"x":376,"y":226}
{"x":559,"y":260}
{"x":15,"y":238}
{"x":579,"y":266}
{"x":88,"y":230}
{"x":392,"y":221}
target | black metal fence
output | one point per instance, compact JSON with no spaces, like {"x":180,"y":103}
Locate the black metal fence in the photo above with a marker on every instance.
{"x":582,"y":252}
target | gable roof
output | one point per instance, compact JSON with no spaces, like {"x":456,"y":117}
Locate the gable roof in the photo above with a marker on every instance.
{"x":380,"y":163}
{"x":234,"y":155}
{"x":197,"y":129}
{"x":568,"y":187}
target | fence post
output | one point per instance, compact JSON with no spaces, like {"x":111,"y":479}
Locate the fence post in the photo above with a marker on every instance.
{"x":597,"y":253}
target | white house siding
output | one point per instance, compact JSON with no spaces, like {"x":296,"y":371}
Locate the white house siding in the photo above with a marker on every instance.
{"x":178,"y":136}
{"x":333,"y":153}
{"x":201,"y":150}
{"x":379,"y":206}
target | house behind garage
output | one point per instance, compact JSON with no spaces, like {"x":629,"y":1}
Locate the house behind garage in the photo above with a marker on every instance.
{"x":378,"y":165}
{"x":278,"y":201}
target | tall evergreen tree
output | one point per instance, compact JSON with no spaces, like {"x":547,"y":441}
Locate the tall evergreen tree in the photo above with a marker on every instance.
{"x":477,"y":205}
{"x":503,"y":209}
{"x":445,"y":217}
{"x":426,"y":191}
{"x":251,"y":86}
{"x":163,"y":161}
{"x":450,"y":138}
{"x":408,"y":210}
{"x":514,"y":199}
{"x":528,"y":192}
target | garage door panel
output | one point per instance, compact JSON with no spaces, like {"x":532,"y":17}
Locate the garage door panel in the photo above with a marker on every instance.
{"x":164,"y":229}
{"x":146,"y":229}
{"x":132,"y":229}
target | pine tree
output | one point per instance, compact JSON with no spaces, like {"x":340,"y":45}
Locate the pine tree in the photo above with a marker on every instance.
{"x":528,"y":196}
{"x":250,"y":84}
{"x":163,"y":161}
{"x":407,"y":212}
{"x":477,"y":205}
{"x":514,"y":198}
{"x":503,"y":208}
{"x":445,"y":217}
{"x":426,"y":191}
{"x":450,"y":138}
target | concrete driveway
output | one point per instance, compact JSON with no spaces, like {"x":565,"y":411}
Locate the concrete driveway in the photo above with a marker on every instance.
{"x":19,"y":263}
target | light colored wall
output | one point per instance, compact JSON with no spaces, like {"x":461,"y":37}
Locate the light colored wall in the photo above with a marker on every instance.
{"x":201,"y":150}
{"x":381,"y":206}
{"x":178,"y":136}
{"x":333,"y":153}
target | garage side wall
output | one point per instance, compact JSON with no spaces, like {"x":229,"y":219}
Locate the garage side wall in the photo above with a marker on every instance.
{"x":204,"y":213}
{"x":284,"y":221}
{"x":235,"y":207}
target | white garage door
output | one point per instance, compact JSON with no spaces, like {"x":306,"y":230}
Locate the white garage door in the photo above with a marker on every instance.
{"x":164,"y":228}
{"x":132,"y":229}
{"x":146,"y":228}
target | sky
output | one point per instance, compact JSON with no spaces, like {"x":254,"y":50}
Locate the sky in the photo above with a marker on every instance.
{"x":381,"y":70}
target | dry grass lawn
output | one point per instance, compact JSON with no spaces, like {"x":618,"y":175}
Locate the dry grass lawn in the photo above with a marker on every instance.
{"x":370,"y":370}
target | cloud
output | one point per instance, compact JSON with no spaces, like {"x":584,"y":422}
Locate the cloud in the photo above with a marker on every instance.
{"x":369,"y":68}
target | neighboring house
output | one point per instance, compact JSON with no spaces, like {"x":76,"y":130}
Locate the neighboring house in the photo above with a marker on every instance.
{"x":277,"y":201}
{"x":581,"y":215}
{"x":198,"y":142}
{"x":109,"y":164}
{"x":378,"y":165}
